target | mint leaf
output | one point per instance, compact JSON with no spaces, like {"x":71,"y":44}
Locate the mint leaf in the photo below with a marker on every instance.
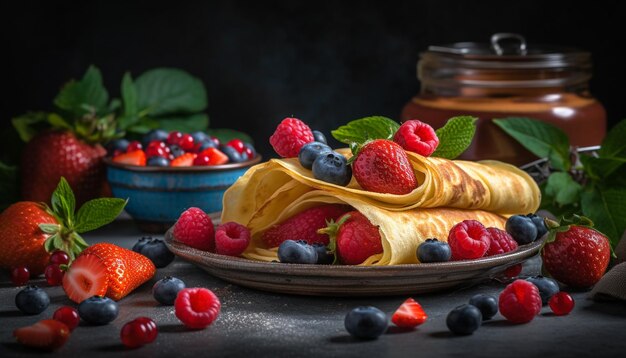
{"x":455,"y":137}
{"x":29,"y":124}
{"x":601,"y":168}
{"x":84,"y":96}
{"x":364,"y":129}
{"x":129,"y":96}
{"x":98,"y":212}
{"x":185,"y":124}
{"x":614,"y":144}
{"x":8,"y":185}
{"x":168,"y":91}
{"x":542,"y":139}
{"x":63,"y":201}
{"x":225,"y":135}
{"x":607,"y":208}
{"x":563,"y":188}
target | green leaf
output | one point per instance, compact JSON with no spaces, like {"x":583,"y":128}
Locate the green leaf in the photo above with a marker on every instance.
{"x":601,"y":168}
{"x":563,"y":188}
{"x":58,"y":122}
{"x":225,"y":135}
{"x":614,"y":144}
{"x":455,"y":137}
{"x":8,"y":185}
{"x":542,"y":139}
{"x":63,"y":202}
{"x":82,"y":97}
{"x":364,"y":129}
{"x":185,"y":124}
{"x":98,"y":212}
{"x":29,"y":124}
{"x":607,"y":208}
{"x":50,"y":228}
{"x":129,"y":97}
{"x":168,"y":91}
{"x":49,"y":244}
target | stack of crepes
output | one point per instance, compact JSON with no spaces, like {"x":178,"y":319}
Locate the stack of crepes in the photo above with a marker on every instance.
{"x":448,"y":192}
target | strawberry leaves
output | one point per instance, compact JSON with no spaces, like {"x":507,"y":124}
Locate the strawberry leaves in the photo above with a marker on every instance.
{"x":366,"y":129}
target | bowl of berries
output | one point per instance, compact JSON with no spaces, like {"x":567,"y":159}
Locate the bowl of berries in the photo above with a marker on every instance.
{"x":167,"y":172}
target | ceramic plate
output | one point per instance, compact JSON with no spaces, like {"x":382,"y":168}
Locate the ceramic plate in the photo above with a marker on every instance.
{"x":338,"y":280}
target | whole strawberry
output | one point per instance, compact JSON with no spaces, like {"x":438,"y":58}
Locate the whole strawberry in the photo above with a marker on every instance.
{"x":53,"y":154}
{"x":353,"y":238}
{"x":576,"y":254}
{"x":382,"y":166}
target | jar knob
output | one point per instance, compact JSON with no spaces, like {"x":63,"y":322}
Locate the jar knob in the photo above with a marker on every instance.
{"x":497,"y":38}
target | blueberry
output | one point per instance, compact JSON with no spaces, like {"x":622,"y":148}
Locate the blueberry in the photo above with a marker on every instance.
{"x":366,"y":322}
{"x":324,"y":257}
{"x":547,"y":287}
{"x":155,"y":134}
{"x":319,"y":137}
{"x":199,"y":137}
{"x":487,"y":304}
{"x":310,"y":151}
{"x":522,"y":229}
{"x":117,"y":144}
{"x":141,"y":243}
{"x":176,"y":151}
{"x":464,"y":319}
{"x":98,"y":310}
{"x":233,"y":155}
{"x":332,"y":168}
{"x":296,"y":252}
{"x":157,"y":252}
{"x":157,"y":161}
{"x":166,"y":289}
{"x":32,"y":300}
{"x":251,"y":147}
{"x":206,"y":145}
{"x":433,"y":250}
{"x":540,"y":224}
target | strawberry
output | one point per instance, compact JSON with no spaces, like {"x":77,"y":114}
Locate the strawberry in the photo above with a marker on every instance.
{"x":136,"y":157}
{"x":47,"y":334}
{"x":575,"y":253}
{"x":52,"y":154}
{"x":125,"y":271}
{"x":353,"y":238}
{"x":382,"y":166}
{"x":185,"y":160}
{"x":304,"y":225}
{"x":409,"y":315}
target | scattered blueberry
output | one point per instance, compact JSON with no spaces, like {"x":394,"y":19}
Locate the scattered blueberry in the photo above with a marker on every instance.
{"x":117,"y":144}
{"x":324,"y":257}
{"x":332,"y":168}
{"x":319,"y":137}
{"x":32,"y":300}
{"x":199,"y":137}
{"x":310,"y":151}
{"x":296,"y":252}
{"x":366,"y":322}
{"x":540,"y":223}
{"x":522,"y":229}
{"x":233,"y":155}
{"x":464,"y":319}
{"x":98,"y":310}
{"x":433,"y":250}
{"x":155,"y":250}
{"x":158,"y":162}
{"x":176,"y":151}
{"x":166,"y":289}
{"x":207,"y":144}
{"x":487,"y":304}
{"x":155,"y":134}
{"x":547,"y":287}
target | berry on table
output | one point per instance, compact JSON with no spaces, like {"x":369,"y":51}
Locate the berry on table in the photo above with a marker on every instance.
{"x":433,"y":250}
{"x":166,"y":289}
{"x":59,"y":257}
{"x":332,"y":168}
{"x":487,"y":304}
{"x":547,"y":287}
{"x":48,"y":334}
{"x":53,"y":274}
{"x":319,"y":137}
{"x":297,"y":252}
{"x":464,"y":319}
{"x":468,"y":240}
{"x":561,"y":303}
{"x":520,"y":302}
{"x":86,"y":277}
{"x":197,"y":308}
{"x":98,"y":310}
{"x":195,"y":228}
{"x":138,"y":332}
{"x":155,"y":250}
{"x":289,"y":137}
{"x":366,"y":322}
{"x":20,"y":275}
{"x":522,"y":229}
{"x":231,"y":239}
{"x":150,"y":326}
{"x":310,"y":152}
{"x":409,"y":315}
{"x":501,"y":242}
{"x":157,"y":161}
{"x":32,"y":300}
{"x":68,"y":315}
{"x":418,"y":137}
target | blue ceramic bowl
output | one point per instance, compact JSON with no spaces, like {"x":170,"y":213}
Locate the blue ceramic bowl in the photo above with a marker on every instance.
{"x":158,"y":195}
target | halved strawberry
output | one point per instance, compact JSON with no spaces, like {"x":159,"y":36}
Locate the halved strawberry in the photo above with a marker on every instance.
{"x":85,"y":278}
{"x":137,"y":157}
{"x":216,"y":157}
{"x":185,"y":160}
{"x":48,"y":334}
{"x":409,"y":315}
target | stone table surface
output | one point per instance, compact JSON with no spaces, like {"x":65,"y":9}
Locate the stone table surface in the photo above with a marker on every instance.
{"x":262,"y":324}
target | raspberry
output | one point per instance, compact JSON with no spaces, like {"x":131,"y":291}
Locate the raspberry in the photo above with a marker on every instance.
{"x":231,"y":239}
{"x":468,"y":240}
{"x":561,"y":303}
{"x":290,"y":135}
{"x":501,"y":242}
{"x":418,"y":137}
{"x":197,"y":307}
{"x":520,"y":302}
{"x":194,"y":228}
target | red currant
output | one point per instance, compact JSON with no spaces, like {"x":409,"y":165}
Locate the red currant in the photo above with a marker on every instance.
{"x":237,"y":144}
{"x":54,"y":275}
{"x":216,"y":141}
{"x":138,"y":332}
{"x":561,"y":303}
{"x":249,"y":152}
{"x":20,"y":275}
{"x":60,"y":258}
{"x":202,"y":159}
{"x":133,"y":146}
{"x":157,"y":149}
{"x":174,"y":138}
{"x":151,"y":326}
{"x":68,"y":315}
{"x":186,"y":142}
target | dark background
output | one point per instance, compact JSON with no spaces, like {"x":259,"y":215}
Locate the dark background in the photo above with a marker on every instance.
{"x":324,"y":62}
